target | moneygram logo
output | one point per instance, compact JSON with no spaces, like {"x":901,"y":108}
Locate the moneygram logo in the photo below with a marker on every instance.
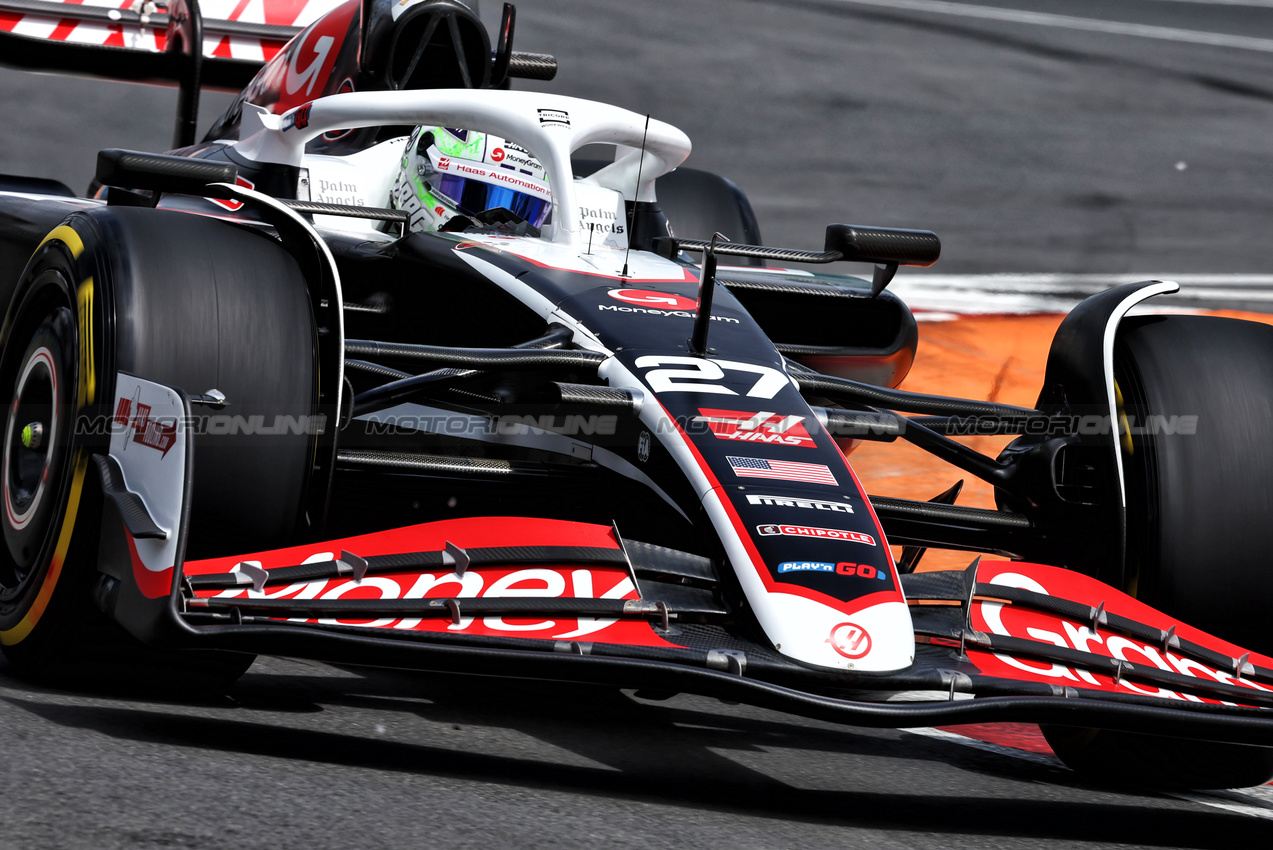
{"x":823,"y":533}
{"x":650,"y":298}
{"x":763,"y":427}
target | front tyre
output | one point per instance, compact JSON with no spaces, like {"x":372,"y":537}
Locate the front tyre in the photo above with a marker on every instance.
{"x":1198,"y":392}
{"x":187,"y":301}
{"x":49,"y":512}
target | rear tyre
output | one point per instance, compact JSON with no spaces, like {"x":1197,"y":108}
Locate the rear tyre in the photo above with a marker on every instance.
{"x":183,"y":300}
{"x":1199,"y":501}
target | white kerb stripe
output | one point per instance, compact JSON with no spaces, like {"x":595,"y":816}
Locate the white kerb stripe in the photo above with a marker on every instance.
{"x":1045,"y":19}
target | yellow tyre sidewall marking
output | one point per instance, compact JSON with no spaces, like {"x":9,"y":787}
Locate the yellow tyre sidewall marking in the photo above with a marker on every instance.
{"x":87,"y":391}
{"x":1124,"y":429}
{"x":12,"y":636}
{"x":88,"y":374}
{"x":67,"y":236}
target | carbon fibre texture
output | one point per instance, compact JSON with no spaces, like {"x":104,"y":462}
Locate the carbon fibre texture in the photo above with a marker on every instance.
{"x":761,"y":252}
{"x":476,"y":358}
{"x":373,"y":213}
{"x":827,"y":290}
{"x":842,"y":389}
{"x":375,"y":368}
{"x":887,"y":507}
{"x":592,"y":395}
{"x":424,"y":463}
{"x":532,"y":66}
{"x":884,"y":244}
{"x":159,"y":172}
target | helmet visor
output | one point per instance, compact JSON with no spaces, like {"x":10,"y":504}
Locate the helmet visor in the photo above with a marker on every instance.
{"x":472,"y":196}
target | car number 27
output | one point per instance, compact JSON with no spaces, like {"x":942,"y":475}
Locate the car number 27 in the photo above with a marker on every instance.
{"x":696,"y":375}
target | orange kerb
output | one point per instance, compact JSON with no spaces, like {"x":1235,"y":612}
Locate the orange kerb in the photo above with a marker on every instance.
{"x":1000,"y":358}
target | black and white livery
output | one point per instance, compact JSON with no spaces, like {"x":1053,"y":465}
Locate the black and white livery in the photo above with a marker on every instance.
{"x":254,"y":410}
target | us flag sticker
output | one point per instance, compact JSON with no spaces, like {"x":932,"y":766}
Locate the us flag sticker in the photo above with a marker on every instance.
{"x":783,"y":470}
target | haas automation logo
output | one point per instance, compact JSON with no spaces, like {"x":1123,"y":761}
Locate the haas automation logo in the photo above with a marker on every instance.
{"x":763,"y":427}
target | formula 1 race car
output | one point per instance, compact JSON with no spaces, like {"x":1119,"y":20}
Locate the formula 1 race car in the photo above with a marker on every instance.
{"x":382,"y":372}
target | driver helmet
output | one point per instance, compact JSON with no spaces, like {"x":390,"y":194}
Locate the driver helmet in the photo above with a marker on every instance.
{"x":447,"y":172}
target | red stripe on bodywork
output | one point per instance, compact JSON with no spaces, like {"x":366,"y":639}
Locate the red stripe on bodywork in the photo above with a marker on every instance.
{"x":153,"y":584}
{"x":535,"y":579}
{"x":467,"y":533}
{"x":1018,"y":736}
{"x":888,"y":551}
{"x":1025,"y":622}
{"x":851,"y":606}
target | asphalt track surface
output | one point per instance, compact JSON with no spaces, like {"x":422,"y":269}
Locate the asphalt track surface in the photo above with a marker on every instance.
{"x":1045,"y":136}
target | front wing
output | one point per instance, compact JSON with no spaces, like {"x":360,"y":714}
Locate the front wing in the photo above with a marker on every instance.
{"x":569,"y":601}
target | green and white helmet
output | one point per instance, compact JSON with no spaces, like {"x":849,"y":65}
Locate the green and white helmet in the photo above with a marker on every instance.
{"x":447,"y":172}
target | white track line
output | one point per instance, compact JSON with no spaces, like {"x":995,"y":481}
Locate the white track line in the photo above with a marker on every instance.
{"x":1045,"y":19}
{"x":1265,"y":3}
{"x":1058,"y":293}
{"x":986,"y":746}
{"x":1253,"y":802}
{"x":1021,"y":280}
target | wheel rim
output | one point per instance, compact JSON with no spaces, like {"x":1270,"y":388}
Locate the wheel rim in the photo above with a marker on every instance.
{"x":30,"y":438}
{"x":33,"y":455}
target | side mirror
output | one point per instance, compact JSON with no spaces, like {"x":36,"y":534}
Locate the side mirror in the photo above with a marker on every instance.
{"x":884,"y":244}
{"x":886,"y":247}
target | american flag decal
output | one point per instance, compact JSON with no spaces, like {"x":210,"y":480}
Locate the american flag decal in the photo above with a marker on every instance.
{"x":783,"y":470}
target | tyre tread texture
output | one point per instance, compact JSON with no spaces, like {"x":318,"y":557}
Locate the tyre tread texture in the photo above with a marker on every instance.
{"x":1203,"y":537}
{"x":202,"y":304}
{"x":1199,"y":531}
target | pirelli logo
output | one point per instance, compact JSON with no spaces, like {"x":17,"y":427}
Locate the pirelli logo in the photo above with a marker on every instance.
{"x":806,"y":504}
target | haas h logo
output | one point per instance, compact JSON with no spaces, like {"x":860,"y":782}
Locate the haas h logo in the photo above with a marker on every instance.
{"x":850,"y":640}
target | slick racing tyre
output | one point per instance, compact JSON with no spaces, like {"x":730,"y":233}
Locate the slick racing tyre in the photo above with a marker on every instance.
{"x":49,"y":512}
{"x":1198,"y":394}
{"x":179,"y":299}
